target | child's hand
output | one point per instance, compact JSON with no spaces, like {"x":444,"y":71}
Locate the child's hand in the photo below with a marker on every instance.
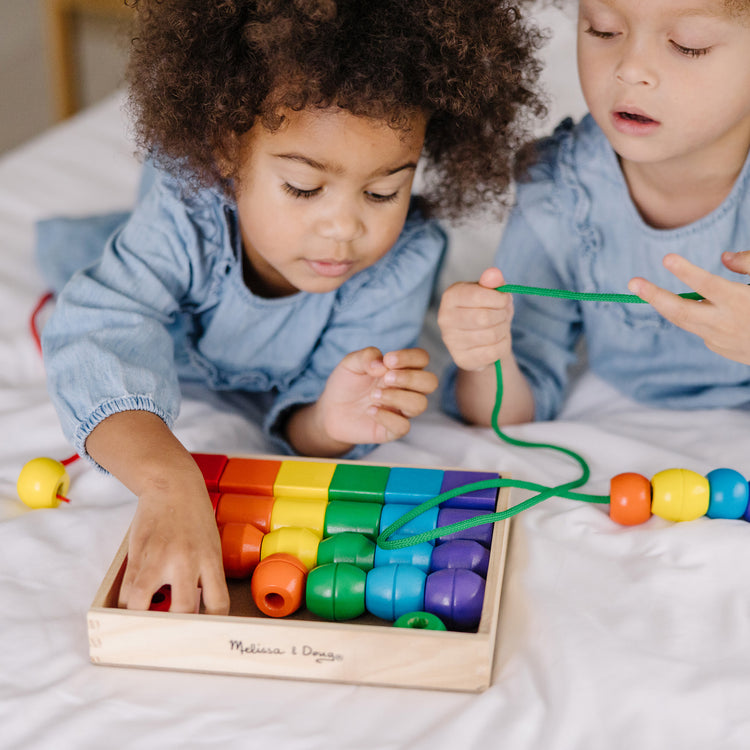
{"x":721,"y":319}
{"x":368,"y":398}
{"x":474,"y":320}
{"x":174,"y":540}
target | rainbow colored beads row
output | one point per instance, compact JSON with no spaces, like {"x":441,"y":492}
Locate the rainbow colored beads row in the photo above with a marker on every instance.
{"x":305,"y":531}
{"x":679,"y":495}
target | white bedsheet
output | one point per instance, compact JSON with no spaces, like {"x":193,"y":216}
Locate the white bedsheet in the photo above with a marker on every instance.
{"x":609,"y":637}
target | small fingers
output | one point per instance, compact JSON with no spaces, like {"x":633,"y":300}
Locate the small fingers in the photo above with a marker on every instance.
{"x":402,"y":359}
{"x":421,"y":381}
{"x":215,"y":592}
{"x":737,"y":262}
{"x":408,"y":403}
{"x":389,"y":425}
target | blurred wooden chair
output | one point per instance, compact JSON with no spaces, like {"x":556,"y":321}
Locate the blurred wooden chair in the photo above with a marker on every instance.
{"x":62,"y":16}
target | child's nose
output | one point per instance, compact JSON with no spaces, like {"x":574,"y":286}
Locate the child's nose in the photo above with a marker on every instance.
{"x":636,"y":65}
{"x":341,"y":223}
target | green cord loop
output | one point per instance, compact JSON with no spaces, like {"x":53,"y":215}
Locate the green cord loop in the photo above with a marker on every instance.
{"x":565,"y":490}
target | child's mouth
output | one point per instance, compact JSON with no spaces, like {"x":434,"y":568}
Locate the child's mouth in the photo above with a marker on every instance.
{"x":630,"y":122}
{"x":633,"y":117}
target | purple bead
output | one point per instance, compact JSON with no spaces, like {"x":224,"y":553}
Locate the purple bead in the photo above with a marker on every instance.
{"x":461,"y":553}
{"x":456,"y":596}
{"x":479,"y":499}
{"x":481,"y":534}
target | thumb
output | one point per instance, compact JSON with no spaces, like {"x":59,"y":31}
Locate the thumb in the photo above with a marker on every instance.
{"x":364,"y":361}
{"x":491,"y":278}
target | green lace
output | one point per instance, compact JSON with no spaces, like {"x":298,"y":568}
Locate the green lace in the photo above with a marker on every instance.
{"x":565,"y":490}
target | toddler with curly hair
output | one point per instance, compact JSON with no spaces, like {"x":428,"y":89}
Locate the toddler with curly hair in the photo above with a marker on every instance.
{"x":276,"y":248}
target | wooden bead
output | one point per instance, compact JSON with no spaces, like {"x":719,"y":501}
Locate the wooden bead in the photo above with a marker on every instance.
{"x":629,"y":499}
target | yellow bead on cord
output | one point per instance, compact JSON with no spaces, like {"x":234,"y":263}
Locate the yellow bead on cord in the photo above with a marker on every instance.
{"x":43,"y":483}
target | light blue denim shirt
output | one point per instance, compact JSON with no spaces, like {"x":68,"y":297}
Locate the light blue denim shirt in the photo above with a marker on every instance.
{"x":166,"y":301}
{"x":574,"y":226}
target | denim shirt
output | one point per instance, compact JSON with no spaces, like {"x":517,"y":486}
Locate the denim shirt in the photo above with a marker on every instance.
{"x":575,"y":227}
{"x":166,"y":301}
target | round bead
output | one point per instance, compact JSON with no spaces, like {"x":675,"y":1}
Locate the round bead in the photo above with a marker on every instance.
{"x":629,"y":499}
{"x":729,"y":494}
{"x":347,"y":547}
{"x":336,"y":591}
{"x":278,"y":584}
{"x":679,"y":495}
{"x":456,"y":596}
{"x":461,"y":553}
{"x":394,"y":590}
{"x":240,"y":548}
{"x":301,"y":543}
{"x":41,"y":481}
{"x":420,"y":621}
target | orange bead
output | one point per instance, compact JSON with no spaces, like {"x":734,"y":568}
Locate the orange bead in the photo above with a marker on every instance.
{"x":240,"y":548}
{"x":630,"y":499}
{"x":278,"y":584}
{"x":255,"y":509}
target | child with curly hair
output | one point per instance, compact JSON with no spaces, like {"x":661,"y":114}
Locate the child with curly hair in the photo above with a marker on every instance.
{"x":654,"y":181}
{"x":276,"y":248}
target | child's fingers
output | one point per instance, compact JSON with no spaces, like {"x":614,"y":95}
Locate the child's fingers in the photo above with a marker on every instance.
{"x":408,"y":403}
{"x":185,"y":597}
{"x":737,"y":262}
{"x":420,"y":381}
{"x":215,"y":592}
{"x":390,"y":424}
{"x":403,"y":359}
{"x":467,"y":295}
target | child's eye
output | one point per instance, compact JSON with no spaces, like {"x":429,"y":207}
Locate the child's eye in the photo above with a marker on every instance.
{"x":601,"y":34}
{"x":379,"y":198}
{"x":298,"y":192}
{"x":691,"y":51}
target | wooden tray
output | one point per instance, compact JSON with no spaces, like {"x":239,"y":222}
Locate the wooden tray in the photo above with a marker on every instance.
{"x":365,"y":651}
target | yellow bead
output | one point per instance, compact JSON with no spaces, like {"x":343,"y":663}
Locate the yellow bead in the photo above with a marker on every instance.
{"x":301,"y":543}
{"x":305,"y":513}
{"x":40,"y":482}
{"x":680,"y":495}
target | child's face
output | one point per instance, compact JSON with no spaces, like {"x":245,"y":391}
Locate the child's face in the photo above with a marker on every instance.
{"x":667,"y":79}
{"x":322,"y":197}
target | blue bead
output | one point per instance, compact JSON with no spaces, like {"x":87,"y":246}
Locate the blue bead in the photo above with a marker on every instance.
{"x":423,"y":522}
{"x":394,"y":590}
{"x":418,"y":555}
{"x":729,"y":494}
{"x":412,"y":486}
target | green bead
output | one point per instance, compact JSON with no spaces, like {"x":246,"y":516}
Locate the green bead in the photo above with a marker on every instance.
{"x":348,"y":547}
{"x":336,"y":591}
{"x":420,"y":621}
{"x":351,"y":515}
{"x":359,"y":482}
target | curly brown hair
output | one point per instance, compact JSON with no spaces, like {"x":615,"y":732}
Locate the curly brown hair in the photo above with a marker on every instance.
{"x":202,"y":73}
